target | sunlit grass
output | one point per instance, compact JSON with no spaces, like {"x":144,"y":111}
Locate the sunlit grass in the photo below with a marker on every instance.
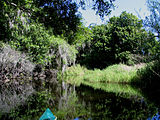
{"x":115,"y":78}
{"x":117,"y":73}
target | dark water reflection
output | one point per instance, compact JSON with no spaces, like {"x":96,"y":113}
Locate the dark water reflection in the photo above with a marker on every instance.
{"x":68,"y":102}
{"x":112,"y":106}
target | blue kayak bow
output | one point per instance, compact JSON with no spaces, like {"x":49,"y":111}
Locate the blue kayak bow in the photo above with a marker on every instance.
{"x":48,"y":115}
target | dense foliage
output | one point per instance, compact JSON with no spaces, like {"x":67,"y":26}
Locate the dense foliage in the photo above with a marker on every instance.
{"x":152,"y":22}
{"x":23,"y":32}
{"x":59,"y":16}
{"x":39,"y":35}
{"x":150,"y":76}
{"x":49,"y":31}
{"x":117,"y":41}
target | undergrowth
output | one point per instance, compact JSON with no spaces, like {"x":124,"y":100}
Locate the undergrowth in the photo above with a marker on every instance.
{"x":118,"y":73}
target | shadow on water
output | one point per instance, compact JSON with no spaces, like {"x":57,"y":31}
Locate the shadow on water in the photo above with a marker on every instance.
{"x":109,"y":105}
{"x":149,"y":82}
{"x":99,"y":102}
{"x":151,"y":93}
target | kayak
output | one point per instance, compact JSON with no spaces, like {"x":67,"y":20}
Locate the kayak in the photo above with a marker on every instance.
{"x":48,"y":115}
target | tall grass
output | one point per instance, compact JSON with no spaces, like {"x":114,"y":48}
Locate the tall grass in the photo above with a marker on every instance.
{"x":149,"y":75}
{"x":118,"y":73}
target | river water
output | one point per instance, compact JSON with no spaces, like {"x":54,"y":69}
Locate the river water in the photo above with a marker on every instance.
{"x":85,"y":102}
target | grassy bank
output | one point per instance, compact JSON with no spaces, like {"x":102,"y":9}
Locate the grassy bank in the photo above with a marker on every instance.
{"x":118,"y":73}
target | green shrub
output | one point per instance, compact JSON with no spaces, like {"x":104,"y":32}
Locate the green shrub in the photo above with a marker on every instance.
{"x":42,"y":47}
{"x":35,"y":41}
{"x":150,"y":75}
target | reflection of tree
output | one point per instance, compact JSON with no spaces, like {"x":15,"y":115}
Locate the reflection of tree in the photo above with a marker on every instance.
{"x":69,"y":106}
{"x":149,"y":82}
{"x":62,"y":101}
{"x":105,"y":105}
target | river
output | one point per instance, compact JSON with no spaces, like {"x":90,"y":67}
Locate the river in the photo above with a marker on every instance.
{"x":85,"y":102}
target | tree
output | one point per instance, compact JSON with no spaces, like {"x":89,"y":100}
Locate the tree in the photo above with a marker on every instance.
{"x":153,"y":24}
{"x":117,"y":40}
{"x":62,"y":16}
{"x":26,"y":35}
{"x":59,"y":16}
{"x":152,"y":21}
{"x":102,"y":7}
{"x":11,"y":12}
{"x":20,"y":18}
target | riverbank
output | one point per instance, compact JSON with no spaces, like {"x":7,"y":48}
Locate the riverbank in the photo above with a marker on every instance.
{"x":20,"y":78}
{"x":118,"y":73}
{"x":142,"y":77}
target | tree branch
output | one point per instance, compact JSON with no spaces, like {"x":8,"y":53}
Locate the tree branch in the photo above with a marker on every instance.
{"x":21,"y":8}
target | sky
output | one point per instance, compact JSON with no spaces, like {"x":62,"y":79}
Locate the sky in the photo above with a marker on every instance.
{"x":137,"y":7}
